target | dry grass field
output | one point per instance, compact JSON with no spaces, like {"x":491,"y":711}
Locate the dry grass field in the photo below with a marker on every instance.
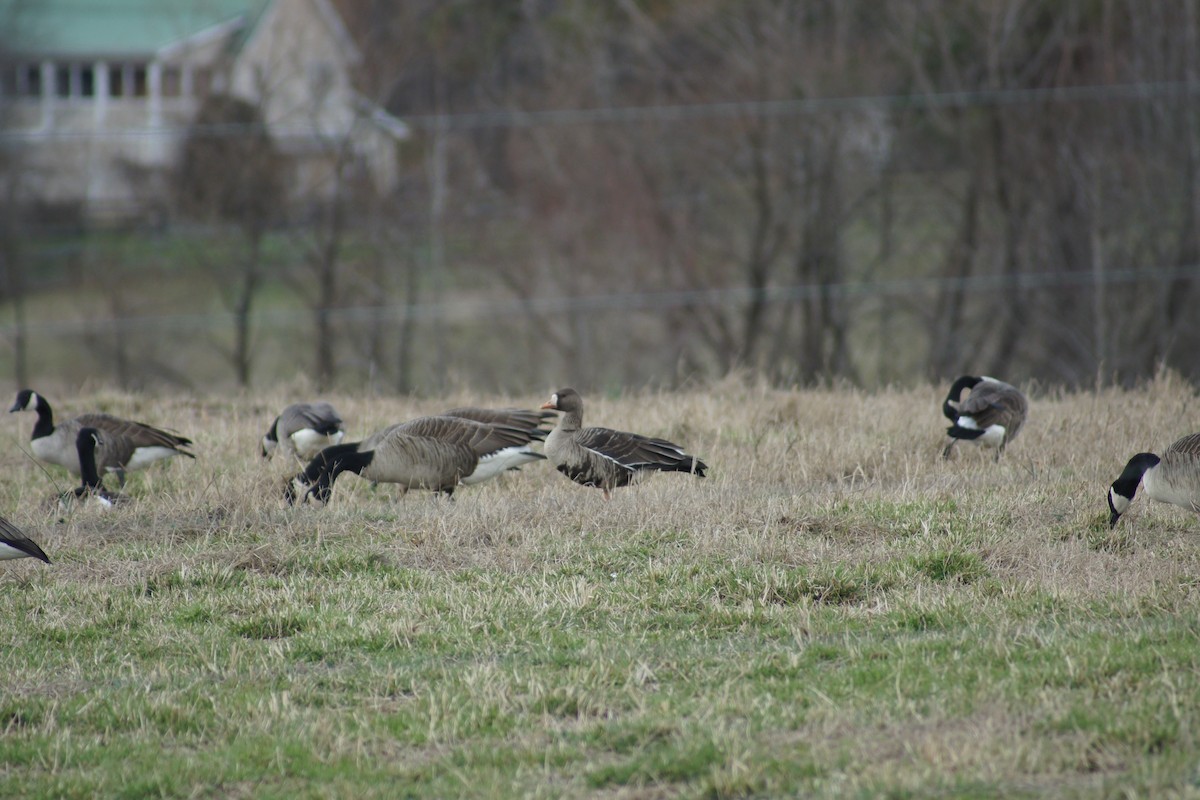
{"x":835,"y":611}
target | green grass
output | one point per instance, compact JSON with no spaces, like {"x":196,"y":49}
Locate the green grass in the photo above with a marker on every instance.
{"x":843,"y":616}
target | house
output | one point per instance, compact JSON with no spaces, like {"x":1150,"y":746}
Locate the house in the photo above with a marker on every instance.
{"x":96,"y":96}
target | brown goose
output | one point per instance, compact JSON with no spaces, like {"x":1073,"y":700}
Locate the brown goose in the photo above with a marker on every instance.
{"x":434,"y":453}
{"x":303,"y":430}
{"x":15,"y":544}
{"x":605,"y":458}
{"x":1174,"y":478}
{"x":135,"y":445}
{"x":990,"y":416}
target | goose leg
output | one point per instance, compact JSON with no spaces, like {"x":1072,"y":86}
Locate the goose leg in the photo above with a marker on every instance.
{"x":949,"y":447}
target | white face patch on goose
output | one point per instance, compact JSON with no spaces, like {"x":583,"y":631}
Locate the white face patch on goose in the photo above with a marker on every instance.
{"x":554,"y":399}
{"x":1119,"y":503}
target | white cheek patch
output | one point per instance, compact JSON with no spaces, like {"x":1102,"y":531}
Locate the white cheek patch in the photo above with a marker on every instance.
{"x":554,"y":399}
{"x":1119,"y":503}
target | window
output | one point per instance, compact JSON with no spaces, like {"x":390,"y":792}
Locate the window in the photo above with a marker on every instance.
{"x":62,"y":80}
{"x":116,"y":81}
{"x":87,"y":81}
{"x":139,"y":80}
{"x":29,"y":80}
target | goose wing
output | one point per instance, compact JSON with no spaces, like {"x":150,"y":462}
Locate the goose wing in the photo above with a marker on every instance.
{"x":994,"y":403}
{"x":15,"y":538}
{"x":633,"y":451}
{"x":480,"y":437}
{"x":320,"y":417}
{"x":1187,"y":446}
{"x":141,"y":434}
{"x":511,"y":417}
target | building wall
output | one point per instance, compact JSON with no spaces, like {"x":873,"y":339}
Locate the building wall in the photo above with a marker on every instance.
{"x":297,"y":68}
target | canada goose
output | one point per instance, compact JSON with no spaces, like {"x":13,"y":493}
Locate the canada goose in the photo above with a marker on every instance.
{"x":434,"y":453}
{"x":990,"y":416}
{"x":15,"y":544}
{"x":142,"y":444}
{"x":605,"y":458}
{"x":88,"y":444}
{"x":1174,"y":478}
{"x":303,"y":429}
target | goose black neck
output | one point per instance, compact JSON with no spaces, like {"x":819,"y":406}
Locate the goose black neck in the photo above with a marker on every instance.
{"x":965,"y":382}
{"x":1126,"y":485}
{"x":85,"y":445}
{"x":45,"y":419}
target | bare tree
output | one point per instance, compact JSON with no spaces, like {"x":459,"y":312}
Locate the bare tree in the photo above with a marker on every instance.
{"x":231,"y":176}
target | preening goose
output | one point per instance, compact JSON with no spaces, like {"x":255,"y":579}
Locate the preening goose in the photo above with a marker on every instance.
{"x":605,"y":458}
{"x":303,"y":430}
{"x":990,"y":416}
{"x":1174,"y":478}
{"x":15,"y":544}
{"x":134,"y":445}
{"x":434,"y":453}
{"x":91,"y":444}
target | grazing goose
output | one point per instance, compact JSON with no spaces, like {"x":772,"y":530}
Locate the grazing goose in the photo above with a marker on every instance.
{"x":990,"y":416}
{"x":15,"y":544}
{"x":1174,"y":478}
{"x":434,"y":453}
{"x":605,"y":458}
{"x":90,"y":443}
{"x":141,"y":444}
{"x":304,"y":429}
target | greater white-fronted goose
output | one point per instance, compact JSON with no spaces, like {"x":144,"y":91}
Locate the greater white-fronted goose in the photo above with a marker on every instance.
{"x":433,"y":453}
{"x":91,"y":444}
{"x":303,"y":430}
{"x":990,"y":416}
{"x":1174,"y":478}
{"x":140,"y":444}
{"x":604,"y":458}
{"x":15,"y":544}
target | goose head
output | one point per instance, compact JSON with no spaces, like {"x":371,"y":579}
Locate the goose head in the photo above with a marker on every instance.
{"x":950,"y":404}
{"x":566,"y":400}
{"x":1123,"y":489}
{"x":270,"y":441}
{"x":26,"y":400}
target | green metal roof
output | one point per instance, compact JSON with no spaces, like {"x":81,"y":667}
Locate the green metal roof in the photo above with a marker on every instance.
{"x":116,"y":28}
